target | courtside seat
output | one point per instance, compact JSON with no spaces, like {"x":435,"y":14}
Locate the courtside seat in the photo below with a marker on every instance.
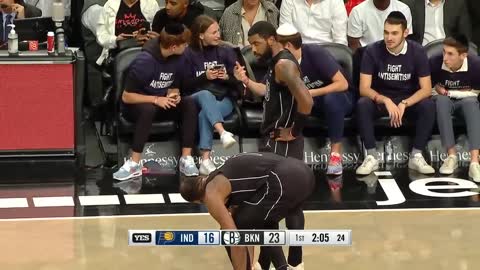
{"x":122,"y":124}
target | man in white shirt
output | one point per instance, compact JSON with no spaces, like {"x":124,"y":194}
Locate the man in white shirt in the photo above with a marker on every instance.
{"x":436,"y":19}
{"x":366,"y":21}
{"x":318,"y":21}
{"x":46,"y":6}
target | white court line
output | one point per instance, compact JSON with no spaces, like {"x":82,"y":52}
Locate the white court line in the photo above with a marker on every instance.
{"x":13,"y":203}
{"x":176,"y":198}
{"x":383,"y":173}
{"x":53,"y":201}
{"x":99,"y":200}
{"x":144,"y":198}
{"x":207,"y":214}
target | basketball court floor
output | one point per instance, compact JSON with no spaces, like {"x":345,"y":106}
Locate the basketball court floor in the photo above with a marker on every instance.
{"x":81,"y":221}
{"x":54,"y":215}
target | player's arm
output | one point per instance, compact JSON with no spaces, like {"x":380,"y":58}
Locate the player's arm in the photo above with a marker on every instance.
{"x":215,"y":194}
{"x":240,"y":74}
{"x":288,"y":74}
{"x":339,"y":84}
{"x":424,"y":92}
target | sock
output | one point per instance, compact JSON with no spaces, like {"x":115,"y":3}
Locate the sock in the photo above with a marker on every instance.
{"x":415,"y":151}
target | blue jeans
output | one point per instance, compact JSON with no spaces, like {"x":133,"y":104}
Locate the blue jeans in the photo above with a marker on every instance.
{"x":334,"y":107}
{"x":212,"y":111}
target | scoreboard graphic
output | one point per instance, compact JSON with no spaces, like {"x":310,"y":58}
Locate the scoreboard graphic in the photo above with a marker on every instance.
{"x":240,"y":238}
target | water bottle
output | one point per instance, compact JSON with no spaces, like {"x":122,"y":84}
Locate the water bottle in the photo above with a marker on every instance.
{"x":12,"y":41}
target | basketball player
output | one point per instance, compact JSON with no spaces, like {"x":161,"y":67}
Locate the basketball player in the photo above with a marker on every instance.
{"x":287,"y":105}
{"x":287,"y":102}
{"x":263,"y":188}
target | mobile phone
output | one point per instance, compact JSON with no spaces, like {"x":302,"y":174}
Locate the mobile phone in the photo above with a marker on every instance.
{"x":143,"y":32}
{"x":219,"y":66}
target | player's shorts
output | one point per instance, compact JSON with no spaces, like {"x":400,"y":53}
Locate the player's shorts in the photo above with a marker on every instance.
{"x":288,"y":186}
{"x":294,"y":149}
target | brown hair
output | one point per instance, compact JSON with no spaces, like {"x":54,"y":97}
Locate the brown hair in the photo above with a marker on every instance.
{"x":295,"y":39}
{"x":199,"y":26}
{"x":168,"y":40}
{"x":459,"y":43}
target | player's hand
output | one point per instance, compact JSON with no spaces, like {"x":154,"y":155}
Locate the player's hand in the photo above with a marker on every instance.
{"x":393,"y":112}
{"x":165,"y":102}
{"x":441,"y":90}
{"x":20,"y":10}
{"x":212,"y":74}
{"x":282,"y":135}
{"x":240,"y":73}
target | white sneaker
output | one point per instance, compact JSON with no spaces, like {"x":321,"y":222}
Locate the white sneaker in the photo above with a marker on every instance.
{"x":474,"y":171}
{"x":298,"y":267}
{"x":369,"y":165}
{"x":418,"y":163}
{"x":207,"y":166}
{"x":227,"y":139}
{"x":187,"y":166}
{"x":129,"y":170}
{"x":449,"y":165}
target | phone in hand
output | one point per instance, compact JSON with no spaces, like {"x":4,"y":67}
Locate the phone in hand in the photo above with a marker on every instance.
{"x":143,"y":32}
{"x":218,"y":67}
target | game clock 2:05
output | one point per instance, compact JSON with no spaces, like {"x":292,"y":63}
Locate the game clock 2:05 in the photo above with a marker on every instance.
{"x":325,"y":237}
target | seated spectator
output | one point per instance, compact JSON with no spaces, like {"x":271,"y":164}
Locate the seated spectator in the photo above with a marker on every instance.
{"x":11,"y":10}
{"x":435,"y":19}
{"x":152,"y":93}
{"x":180,"y":11}
{"x":455,"y":76}
{"x":328,"y":85}
{"x":317,"y":21}
{"x":474,"y":10}
{"x":121,"y":20}
{"x":211,"y":78}
{"x":365,"y":24}
{"x":239,"y":17}
{"x":91,"y":12}
{"x":46,"y":6}
{"x":395,"y":82}
{"x":350,"y":4}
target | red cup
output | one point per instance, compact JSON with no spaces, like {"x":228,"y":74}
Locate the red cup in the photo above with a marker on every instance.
{"x":33,"y":45}
{"x":50,"y":42}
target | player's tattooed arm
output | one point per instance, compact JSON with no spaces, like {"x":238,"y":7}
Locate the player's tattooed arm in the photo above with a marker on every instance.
{"x":288,"y":74}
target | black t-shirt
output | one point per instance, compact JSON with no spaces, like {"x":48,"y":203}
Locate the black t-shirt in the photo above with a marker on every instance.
{"x":130,"y":19}
{"x":161,"y":17}
{"x":247,"y":173}
{"x":279,"y":106}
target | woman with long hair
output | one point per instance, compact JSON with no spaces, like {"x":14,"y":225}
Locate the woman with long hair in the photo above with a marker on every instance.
{"x":211,"y":79}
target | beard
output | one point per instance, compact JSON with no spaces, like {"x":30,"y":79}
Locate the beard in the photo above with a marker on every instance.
{"x":266,"y":56}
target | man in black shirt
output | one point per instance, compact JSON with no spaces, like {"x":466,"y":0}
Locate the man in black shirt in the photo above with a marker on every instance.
{"x":287,"y":101}
{"x":262,"y":188}
{"x":286,"y":106}
{"x":175,"y":11}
